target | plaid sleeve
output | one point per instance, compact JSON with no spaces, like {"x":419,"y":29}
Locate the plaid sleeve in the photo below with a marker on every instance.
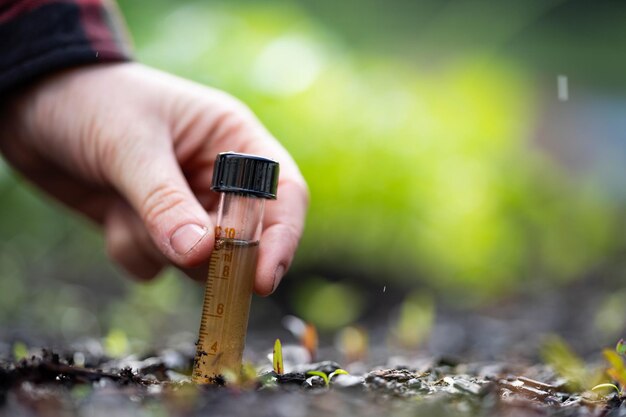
{"x":41,"y":36}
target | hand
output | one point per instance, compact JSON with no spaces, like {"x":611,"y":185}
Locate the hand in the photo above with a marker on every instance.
{"x":133,"y":149}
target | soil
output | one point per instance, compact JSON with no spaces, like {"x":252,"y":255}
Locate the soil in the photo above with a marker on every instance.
{"x":51,"y":385}
{"x":481,"y":364}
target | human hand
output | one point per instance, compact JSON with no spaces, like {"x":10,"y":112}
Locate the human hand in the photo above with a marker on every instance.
{"x":133,"y":149}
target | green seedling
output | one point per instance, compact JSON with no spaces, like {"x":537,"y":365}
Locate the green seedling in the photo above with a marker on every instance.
{"x":617,"y":369}
{"x":328,"y":378}
{"x":246,"y":378}
{"x":566,"y":363}
{"x":337,"y":372}
{"x":20,"y":351}
{"x":277,"y":358}
{"x":116,"y":344}
{"x":606,"y":386}
{"x":248,"y":373}
{"x":321,"y":375}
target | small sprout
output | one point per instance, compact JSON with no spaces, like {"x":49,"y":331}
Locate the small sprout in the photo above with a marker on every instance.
{"x":327,"y":378}
{"x":321,"y":375}
{"x":116,"y":343}
{"x":606,"y":386}
{"x":278,"y":358}
{"x":617,"y":371}
{"x":337,"y":372}
{"x":248,"y":373}
{"x":245,"y":378}
{"x":621,"y":347}
{"x":20,"y":351}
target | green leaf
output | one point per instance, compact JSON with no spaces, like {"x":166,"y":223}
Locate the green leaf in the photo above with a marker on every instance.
{"x":320,"y":374}
{"x":277,"y":359}
{"x":337,"y":372}
{"x":621,"y":347}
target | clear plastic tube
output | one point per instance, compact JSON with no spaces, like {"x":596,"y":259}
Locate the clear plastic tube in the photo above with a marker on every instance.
{"x":229,"y":286}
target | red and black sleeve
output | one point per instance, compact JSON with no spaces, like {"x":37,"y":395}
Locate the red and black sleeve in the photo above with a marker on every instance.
{"x":41,"y":36}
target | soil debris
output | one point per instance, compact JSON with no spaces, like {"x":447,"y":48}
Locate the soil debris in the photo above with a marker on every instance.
{"x":53,"y":385}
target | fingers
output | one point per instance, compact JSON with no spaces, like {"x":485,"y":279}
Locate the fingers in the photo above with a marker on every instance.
{"x":129,"y":244}
{"x":284,"y":218}
{"x":135,"y":142}
{"x":284,"y":223}
{"x":225,"y":124}
{"x":148,"y":175}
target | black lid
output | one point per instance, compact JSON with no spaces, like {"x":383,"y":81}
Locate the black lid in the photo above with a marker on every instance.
{"x":247,"y":174}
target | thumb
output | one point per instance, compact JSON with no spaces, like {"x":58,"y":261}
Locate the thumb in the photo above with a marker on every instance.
{"x":150,"y":178}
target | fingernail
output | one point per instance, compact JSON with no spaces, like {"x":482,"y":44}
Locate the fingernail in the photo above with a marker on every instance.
{"x":186,"y":237}
{"x":278,"y":275}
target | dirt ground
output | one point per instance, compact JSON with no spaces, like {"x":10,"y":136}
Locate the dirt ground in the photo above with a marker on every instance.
{"x":481,"y":363}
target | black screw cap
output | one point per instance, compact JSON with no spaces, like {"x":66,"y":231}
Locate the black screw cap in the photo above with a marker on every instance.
{"x":246,"y":174}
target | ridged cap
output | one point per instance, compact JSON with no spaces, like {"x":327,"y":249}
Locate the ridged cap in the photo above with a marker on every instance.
{"x":247,"y":174}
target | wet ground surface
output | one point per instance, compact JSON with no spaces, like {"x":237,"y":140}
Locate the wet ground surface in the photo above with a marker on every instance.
{"x":55,"y":385}
{"x":483,"y":363}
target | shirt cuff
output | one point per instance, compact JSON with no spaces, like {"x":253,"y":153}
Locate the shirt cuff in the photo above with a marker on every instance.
{"x":38,"y":37}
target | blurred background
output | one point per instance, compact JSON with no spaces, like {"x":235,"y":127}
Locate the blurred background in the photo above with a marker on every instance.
{"x":461,"y":156}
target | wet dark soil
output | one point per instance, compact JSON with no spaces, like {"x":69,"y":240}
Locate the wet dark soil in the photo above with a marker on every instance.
{"x":51,"y":384}
{"x":486,"y":363}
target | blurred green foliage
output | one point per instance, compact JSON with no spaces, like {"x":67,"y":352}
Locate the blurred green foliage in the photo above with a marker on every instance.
{"x":415,"y":320}
{"x":610,"y":318}
{"x":414,"y":170}
{"x":328,"y":305}
{"x":566,"y":363}
{"x":421,"y":167}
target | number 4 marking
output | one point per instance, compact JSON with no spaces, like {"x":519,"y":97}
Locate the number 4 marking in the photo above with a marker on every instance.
{"x":214,"y":347}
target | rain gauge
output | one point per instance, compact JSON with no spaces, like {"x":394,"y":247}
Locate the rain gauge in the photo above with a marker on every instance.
{"x":244,"y":183}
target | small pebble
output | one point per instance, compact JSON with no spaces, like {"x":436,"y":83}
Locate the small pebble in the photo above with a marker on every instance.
{"x":347,"y":381}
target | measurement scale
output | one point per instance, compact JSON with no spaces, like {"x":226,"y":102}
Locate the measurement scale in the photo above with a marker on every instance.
{"x":244,"y":182}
